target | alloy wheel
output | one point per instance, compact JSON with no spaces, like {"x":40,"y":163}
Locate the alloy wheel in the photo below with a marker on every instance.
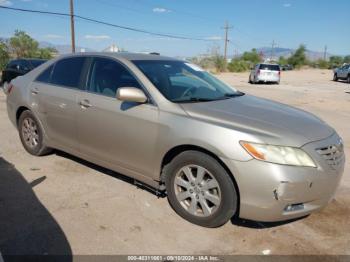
{"x":197,"y":190}
{"x":30,"y":132}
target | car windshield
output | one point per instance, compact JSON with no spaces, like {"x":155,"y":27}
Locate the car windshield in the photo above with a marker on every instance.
{"x":36,"y":63}
{"x":182,"y":82}
{"x":269,"y":67}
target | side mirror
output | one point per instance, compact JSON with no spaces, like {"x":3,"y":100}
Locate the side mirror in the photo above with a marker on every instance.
{"x":131,"y":94}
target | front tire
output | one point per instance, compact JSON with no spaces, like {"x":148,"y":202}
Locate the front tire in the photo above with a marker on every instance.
{"x":348,"y":79}
{"x":200,"y":190}
{"x":31,"y":134}
{"x":335,"y":77}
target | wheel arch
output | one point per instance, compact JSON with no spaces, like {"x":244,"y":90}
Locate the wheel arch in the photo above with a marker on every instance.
{"x":175,"y":151}
{"x":19,"y":112}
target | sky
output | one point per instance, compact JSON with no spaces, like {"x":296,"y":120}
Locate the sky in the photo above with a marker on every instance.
{"x":256,"y":23}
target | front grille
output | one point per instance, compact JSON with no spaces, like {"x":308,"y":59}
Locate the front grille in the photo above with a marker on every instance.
{"x":333,"y":154}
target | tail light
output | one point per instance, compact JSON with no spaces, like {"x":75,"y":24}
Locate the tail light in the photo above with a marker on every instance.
{"x":258,"y":72}
{"x":8,"y":89}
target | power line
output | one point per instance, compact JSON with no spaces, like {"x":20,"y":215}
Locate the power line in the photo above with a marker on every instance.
{"x":109,"y":24}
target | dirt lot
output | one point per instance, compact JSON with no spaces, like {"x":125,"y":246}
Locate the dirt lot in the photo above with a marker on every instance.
{"x":58,"y":204}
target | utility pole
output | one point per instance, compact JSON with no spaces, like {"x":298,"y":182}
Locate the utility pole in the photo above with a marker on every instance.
{"x":325,"y":53}
{"x":72,"y":25}
{"x":273,"y":49}
{"x":226,"y":28}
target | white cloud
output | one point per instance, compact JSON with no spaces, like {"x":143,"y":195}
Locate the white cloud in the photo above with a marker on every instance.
{"x":160,"y":10}
{"x":53,"y":36}
{"x":214,"y":37}
{"x":287,"y":5}
{"x":5,"y":3}
{"x":97,"y":37}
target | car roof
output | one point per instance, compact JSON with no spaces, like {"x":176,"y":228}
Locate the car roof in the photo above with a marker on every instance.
{"x":267,"y":64}
{"x":127,"y":56}
{"x":27,"y":59}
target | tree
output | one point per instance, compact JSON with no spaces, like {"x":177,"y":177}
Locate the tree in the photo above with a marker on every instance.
{"x":22,"y":45}
{"x":238,"y":65}
{"x":45,"y":53}
{"x":347,"y":59}
{"x":298,"y":59}
{"x":321,"y":63}
{"x":4,"y":55}
{"x":282,"y":60}
{"x":335,"y":61}
{"x":219,"y":63}
{"x":252,"y":56}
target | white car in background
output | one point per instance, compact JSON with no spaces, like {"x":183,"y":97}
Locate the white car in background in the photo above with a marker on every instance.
{"x":267,"y":73}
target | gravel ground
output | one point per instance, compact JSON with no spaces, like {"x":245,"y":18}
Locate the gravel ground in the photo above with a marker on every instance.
{"x":62,"y":205}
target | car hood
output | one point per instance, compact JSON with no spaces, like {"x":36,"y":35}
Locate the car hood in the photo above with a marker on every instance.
{"x":267,"y":121}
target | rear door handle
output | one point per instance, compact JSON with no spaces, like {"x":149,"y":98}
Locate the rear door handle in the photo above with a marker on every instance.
{"x":85,"y":103}
{"x":35,"y":91}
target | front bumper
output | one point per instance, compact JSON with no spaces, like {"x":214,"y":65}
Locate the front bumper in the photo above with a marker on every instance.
{"x":267,"y":189}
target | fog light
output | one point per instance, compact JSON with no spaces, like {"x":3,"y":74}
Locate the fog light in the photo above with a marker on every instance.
{"x":294,"y":207}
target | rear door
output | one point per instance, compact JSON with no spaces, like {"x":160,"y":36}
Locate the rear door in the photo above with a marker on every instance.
{"x":55,"y":92}
{"x":110,"y":131}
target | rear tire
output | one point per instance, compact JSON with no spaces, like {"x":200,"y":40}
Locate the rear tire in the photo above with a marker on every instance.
{"x":348,"y":79}
{"x":335,"y":77}
{"x":31,"y":134}
{"x":200,"y":190}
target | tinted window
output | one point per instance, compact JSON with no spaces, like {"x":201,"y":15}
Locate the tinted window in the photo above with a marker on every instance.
{"x":23,"y":65}
{"x":13,"y":64}
{"x":36,"y":63}
{"x":270,"y":67}
{"x":45,"y":76}
{"x":67,"y":72}
{"x":183,"y":82}
{"x":108,"y":75}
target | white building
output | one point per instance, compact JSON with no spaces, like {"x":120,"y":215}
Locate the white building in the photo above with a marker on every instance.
{"x":112,"y":48}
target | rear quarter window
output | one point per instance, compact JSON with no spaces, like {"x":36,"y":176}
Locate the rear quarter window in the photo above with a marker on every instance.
{"x":45,"y":76}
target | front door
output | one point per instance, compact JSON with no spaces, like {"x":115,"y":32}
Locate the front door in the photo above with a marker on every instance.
{"x":111,"y":131}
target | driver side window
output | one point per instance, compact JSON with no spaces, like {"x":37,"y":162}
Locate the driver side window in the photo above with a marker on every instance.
{"x":107,"y":75}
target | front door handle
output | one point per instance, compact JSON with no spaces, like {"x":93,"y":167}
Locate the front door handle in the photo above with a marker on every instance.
{"x":85,"y":103}
{"x":34,"y":91}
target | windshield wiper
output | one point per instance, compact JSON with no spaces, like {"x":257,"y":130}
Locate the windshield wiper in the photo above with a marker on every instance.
{"x":194,"y":99}
{"x":234,"y":94}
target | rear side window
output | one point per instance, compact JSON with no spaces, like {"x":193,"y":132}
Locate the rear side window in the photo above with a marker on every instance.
{"x":13,"y":64}
{"x":269,"y":67}
{"x":67,"y":72}
{"x":45,"y":76}
{"x":36,"y":63}
{"x":23,"y":65}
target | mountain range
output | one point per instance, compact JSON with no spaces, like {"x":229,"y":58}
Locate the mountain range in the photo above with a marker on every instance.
{"x":277,"y":52}
{"x":267,"y":52}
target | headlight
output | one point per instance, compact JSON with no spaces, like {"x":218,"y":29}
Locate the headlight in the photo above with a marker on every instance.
{"x":283,"y":155}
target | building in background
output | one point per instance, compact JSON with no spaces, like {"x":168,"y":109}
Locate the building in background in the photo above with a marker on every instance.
{"x":112,"y":49}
